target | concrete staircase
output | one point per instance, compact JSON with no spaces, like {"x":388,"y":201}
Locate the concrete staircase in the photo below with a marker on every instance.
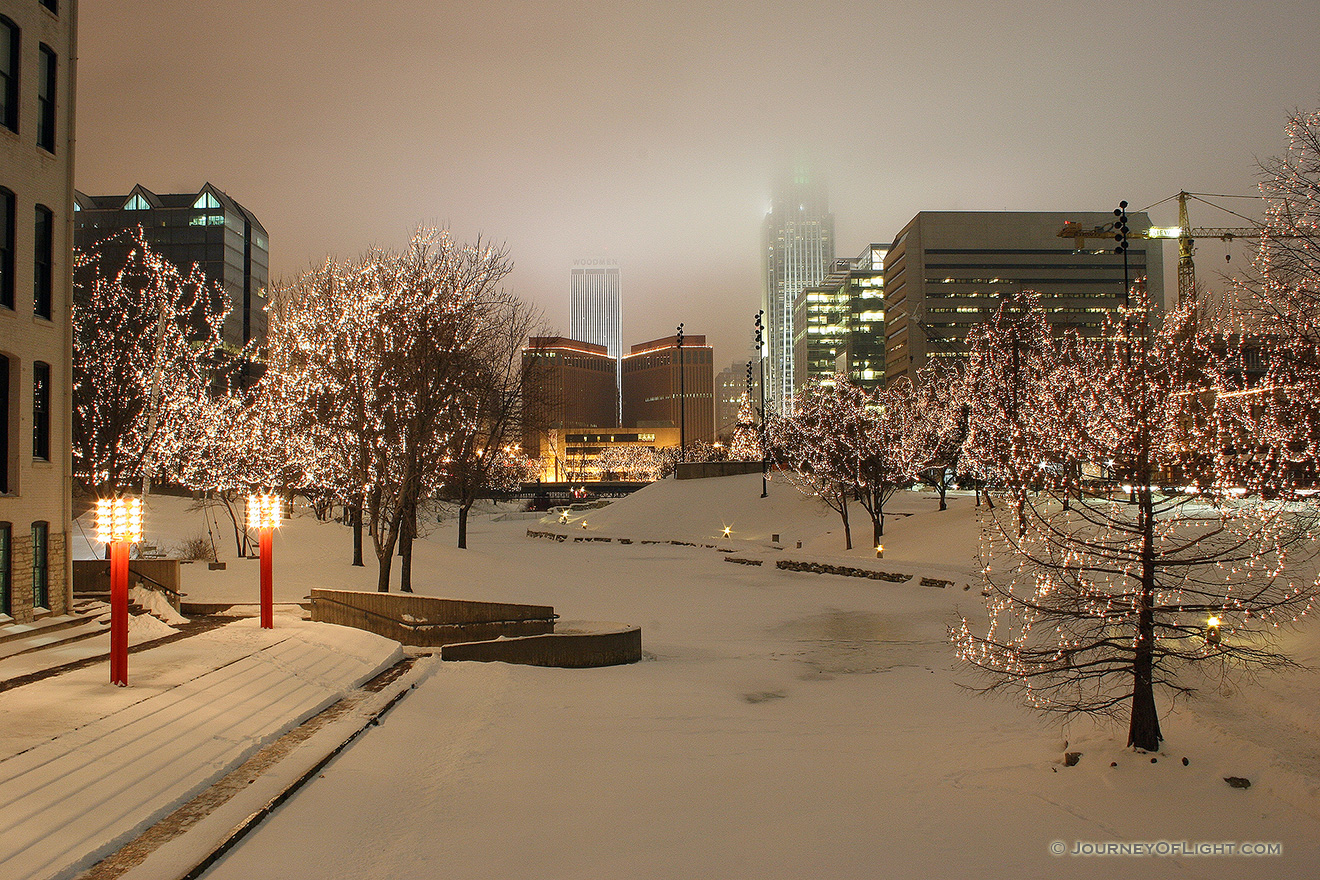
{"x":52,"y":630}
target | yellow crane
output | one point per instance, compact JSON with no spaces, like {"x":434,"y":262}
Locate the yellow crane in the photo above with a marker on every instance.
{"x":1184,"y":232}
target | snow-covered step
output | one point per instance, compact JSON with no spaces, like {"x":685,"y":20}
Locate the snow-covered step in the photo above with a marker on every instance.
{"x":71,"y":800}
{"x":14,"y":631}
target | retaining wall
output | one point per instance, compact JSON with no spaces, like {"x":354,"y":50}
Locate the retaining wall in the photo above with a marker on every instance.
{"x":426,"y":621}
{"x":572,"y":646}
{"x":699,"y":470}
{"x":93,"y":576}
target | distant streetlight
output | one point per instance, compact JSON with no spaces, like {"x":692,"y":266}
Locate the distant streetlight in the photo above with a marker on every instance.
{"x":264,"y":515}
{"x":682,"y":401}
{"x":119,"y":524}
{"x":760,"y":343}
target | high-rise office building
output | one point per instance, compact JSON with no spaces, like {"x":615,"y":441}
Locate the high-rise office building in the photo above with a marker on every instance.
{"x":839,"y":323}
{"x":207,"y":228}
{"x":37,"y":65}
{"x":653,"y":386}
{"x":798,"y":252}
{"x":947,"y":271}
{"x":595,"y":312}
{"x":571,"y":384}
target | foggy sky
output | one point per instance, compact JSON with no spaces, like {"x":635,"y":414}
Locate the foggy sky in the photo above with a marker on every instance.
{"x":651,"y":132}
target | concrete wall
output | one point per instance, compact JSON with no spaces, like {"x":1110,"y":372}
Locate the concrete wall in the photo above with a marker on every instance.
{"x":93,"y":576}
{"x":598,"y":645}
{"x":698,"y":470}
{"x":426,"y":621}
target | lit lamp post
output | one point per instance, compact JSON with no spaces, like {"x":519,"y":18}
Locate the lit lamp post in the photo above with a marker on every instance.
{"x":119,"y":524}
{"x":264,"y":515}
{"x":760,"y":356}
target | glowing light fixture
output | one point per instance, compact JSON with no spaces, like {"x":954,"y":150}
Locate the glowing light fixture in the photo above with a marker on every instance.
{"x":264,"y":514}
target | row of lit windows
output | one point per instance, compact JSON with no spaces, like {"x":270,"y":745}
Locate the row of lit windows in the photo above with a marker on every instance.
{"x":40,"y":566}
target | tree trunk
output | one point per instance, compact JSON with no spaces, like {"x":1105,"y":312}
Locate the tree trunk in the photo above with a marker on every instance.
{"x":407,"y":529}
{"x":462,"y":524}
{"x":943,"y":489}
{"x":847,"y":527}
{"x":1144,"y":728}
{"x":356,"y":514}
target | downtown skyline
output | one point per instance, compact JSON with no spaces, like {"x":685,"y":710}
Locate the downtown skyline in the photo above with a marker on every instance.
{"x":353,"y":129}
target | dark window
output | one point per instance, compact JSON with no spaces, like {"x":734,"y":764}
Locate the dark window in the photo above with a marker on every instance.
{"x":42,"y":260}
{"x":52,"y":5}
{"x":41,"y":411}
{"x":6,"y":568}
{"x":6,"y":248}
{"x":40,"y":565}
{"x":46,"y":98}
{"x":8,"y":74}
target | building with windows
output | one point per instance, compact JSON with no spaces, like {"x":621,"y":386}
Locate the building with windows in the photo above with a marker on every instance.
{"x":839,"y":324}
{"x":654,"y":384}
{"x":570,"y":385}
{"x":37,"y":61}
{"x":206,"y":228}
{"x":798,"y":249}
{"x":730,"y":385}
{"x":595,"y":311}
{"x":947,"y":271}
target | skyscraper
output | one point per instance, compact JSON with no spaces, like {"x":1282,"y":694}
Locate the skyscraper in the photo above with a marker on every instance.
{"x":799,"y":252}
{"x":595,"y":313}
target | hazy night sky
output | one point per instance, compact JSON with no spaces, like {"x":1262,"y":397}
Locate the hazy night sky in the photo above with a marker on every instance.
{"x":651,"y":132}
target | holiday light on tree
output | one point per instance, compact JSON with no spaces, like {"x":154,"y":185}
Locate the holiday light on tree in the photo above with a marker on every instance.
{"x":1097,"y":598}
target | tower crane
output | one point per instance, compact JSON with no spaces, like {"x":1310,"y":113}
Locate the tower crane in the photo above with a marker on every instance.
{"x":1184,"y":232}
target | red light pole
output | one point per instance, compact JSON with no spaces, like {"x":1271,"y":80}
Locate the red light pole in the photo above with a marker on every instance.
{"x":119,"y":524}
{"x":264,"y":515}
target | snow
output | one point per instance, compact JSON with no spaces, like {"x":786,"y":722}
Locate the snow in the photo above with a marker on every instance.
{"x":122,"y":757}
{"x":156,"y":604}
{"x":784,"y":724}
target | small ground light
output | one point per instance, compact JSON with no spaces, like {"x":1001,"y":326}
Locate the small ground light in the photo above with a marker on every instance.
{"x":264,"y":515}
{"x":119,"y":524}
{"x":726,"y":531}
{"x":1212,"y":631}
{"x":879,"y":551}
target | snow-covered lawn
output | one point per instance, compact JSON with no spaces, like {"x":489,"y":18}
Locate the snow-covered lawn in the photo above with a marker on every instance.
{"x":784,"y":725}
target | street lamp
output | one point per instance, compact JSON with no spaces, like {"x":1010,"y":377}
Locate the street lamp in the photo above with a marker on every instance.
{"x":264,"y":515}
{"x":119,"y":524}
{"x":760,"y":358}
{"x":682,"y":401}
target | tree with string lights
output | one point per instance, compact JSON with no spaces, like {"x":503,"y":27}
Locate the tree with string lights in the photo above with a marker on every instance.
{"x":1099,"y":606}
{"x":812,"y":447}
{"x":746,"y":445}
{"x":146,"y":355}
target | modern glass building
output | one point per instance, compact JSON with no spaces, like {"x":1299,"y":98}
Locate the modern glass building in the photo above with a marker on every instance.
{"x":798,"y":252}
{"x":839,"y":324}
{"x":207,"y":228}
{"x":595,"y":311}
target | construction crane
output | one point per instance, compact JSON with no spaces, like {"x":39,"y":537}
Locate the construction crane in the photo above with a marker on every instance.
{"x":1184,"y":232}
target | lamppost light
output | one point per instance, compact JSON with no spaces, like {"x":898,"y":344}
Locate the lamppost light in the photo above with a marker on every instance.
{"x":263,"y":511}
{"x":118,"y":519}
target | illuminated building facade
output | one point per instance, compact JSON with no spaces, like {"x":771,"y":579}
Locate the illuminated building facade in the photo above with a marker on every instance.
{"x":839,"y":324}
{"x":207,"y":228}
{"x":571,"y":385}
{"x":652,"y":387}
{"x":798,"y":249}
{"x":947,"y":271}
{"x":37,"y":74}
{"x":595,"y":310}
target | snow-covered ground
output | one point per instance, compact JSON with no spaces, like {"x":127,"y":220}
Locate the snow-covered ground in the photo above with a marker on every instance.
{"x":785,"y":724}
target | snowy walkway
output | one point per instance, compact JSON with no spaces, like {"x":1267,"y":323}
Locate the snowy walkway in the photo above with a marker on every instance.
{"x":72,"y":799}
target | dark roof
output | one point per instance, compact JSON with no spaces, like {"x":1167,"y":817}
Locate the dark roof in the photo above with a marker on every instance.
{"x":165,"y":200}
